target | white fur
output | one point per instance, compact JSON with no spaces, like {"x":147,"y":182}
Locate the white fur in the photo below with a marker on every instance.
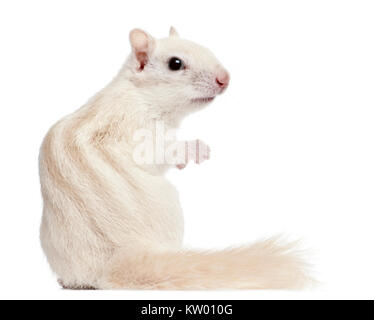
{"x":111,"y":223}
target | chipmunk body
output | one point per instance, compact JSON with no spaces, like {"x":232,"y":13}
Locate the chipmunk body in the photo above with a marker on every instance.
{"x":110,"y":222}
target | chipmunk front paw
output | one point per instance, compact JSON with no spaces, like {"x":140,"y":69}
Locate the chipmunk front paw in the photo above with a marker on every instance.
{"x":195,"y":150}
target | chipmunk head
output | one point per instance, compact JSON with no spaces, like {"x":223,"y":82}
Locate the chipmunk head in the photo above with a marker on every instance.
{"x":175,"y":75}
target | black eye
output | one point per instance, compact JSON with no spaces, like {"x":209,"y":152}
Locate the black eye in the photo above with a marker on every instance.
{"x":176,"y":64}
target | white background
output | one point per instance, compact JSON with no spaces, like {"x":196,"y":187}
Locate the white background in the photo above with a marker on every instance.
{"x":292,"y":138}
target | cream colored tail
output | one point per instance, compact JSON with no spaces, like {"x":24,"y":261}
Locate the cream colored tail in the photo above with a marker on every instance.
{"x":264,"y":265}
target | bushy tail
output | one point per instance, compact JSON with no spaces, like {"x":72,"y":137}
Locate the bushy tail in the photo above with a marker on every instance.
{"x":264,"y":265}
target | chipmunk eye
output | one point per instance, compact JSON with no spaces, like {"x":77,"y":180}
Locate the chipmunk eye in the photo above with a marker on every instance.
{"x":176,"y":64}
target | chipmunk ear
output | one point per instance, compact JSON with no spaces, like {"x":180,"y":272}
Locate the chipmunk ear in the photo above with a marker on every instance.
{"x":173,"y":32}
{"x":142,"y":45}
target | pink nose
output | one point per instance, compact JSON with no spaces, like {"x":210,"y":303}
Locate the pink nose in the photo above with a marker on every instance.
{"x":223,"y":79}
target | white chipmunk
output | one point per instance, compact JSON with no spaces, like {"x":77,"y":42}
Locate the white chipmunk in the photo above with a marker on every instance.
{"x":111,"y":223}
